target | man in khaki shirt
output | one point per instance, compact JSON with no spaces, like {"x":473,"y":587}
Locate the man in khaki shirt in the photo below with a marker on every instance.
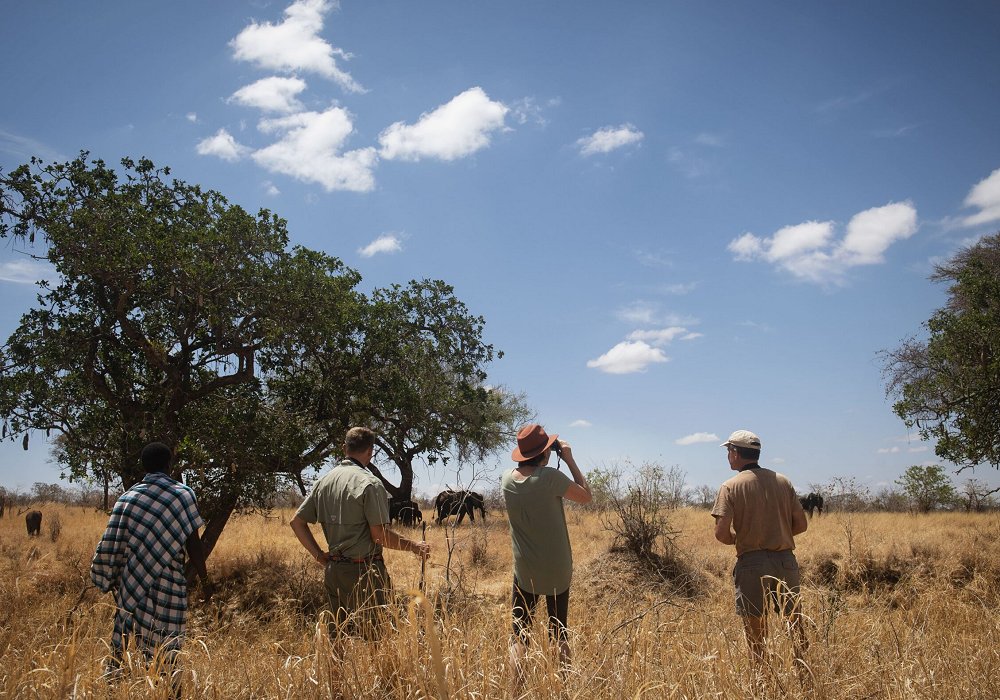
{"x":352,"y":507}
{"x":757,"y":510}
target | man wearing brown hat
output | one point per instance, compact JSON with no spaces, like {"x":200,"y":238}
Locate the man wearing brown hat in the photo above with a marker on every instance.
{"x":543,"y":560}
{"x":757,"y":510}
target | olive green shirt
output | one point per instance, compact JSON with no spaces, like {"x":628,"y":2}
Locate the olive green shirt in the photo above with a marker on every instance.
{"x":543,"y":560}
{"x":346,"y":501}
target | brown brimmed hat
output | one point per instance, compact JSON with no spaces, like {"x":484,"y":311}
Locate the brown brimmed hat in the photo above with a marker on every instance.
{"x":532,"y":440}
{"x":743,"y":438}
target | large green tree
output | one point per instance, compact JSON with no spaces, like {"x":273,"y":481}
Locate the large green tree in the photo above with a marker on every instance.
{"x":167,"y":309}
{"x":948,"y":386}
{"x":175,"y":316}
{"x":423,"y":370}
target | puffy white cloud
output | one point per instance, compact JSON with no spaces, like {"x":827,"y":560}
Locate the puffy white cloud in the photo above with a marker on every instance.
{"x":697,"y":438}
{"x":608,"y":139}
{"x":388,"y":243}
{"x":793,"y":241}
{"x":294,"y":44}
{"x":871,"y":232}
{"x":581,"y":423}
{"x":658,"y":337}
{"x":454,"y":130}
{"x":191,"y":117}
{"x":25,"y":271}
{"x":223,"y":145}
{"x":274,"y":94}
{"x":628,"y":357}
{"x":986,"y":196}
{"x":309,"y":149}
{"x":811,"y":252}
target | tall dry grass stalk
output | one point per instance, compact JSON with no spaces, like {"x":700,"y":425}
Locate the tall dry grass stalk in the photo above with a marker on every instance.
{"x":899,"y":606}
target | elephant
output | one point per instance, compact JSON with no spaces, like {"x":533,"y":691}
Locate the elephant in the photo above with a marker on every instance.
{"x":405,"y":512}
{"x":460,"y":503}
{"x":811,"y":502}
{"x":33,"y":520}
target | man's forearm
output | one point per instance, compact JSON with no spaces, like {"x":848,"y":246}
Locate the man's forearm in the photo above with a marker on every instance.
{"x":578,"y":476}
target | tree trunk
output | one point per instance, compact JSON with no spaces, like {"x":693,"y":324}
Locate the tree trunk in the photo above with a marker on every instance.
{"x":216,"y":524}
{"x":405,"y":488}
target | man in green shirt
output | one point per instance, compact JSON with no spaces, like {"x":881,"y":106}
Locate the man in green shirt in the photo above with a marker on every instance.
{"x":352,"y":506}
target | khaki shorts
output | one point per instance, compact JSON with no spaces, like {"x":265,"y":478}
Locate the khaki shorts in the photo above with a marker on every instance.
{"x":766,"y":580}
{"x":358,"y":593}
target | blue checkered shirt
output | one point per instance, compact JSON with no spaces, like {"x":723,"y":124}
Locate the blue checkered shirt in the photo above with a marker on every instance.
{"x":141,"y":558}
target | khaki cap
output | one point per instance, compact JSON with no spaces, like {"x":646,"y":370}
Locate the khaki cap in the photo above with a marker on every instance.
{"x":743,"y":438}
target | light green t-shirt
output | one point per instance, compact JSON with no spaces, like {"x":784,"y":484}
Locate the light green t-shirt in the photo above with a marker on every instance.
{"x":543,"y":560}
{"x":346,"y":501}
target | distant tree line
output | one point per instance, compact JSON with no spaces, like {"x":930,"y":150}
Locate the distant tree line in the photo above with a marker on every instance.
{"x":920,"y":488}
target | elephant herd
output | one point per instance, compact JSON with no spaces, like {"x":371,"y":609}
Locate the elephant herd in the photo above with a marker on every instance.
{"x":446,"y":504}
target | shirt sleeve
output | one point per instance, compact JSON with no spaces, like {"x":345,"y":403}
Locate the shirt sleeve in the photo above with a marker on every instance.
{"x":722,"y":506}
{"x":376,"y":501}
{"x":558,"y":483}
{"x":307,"y":511}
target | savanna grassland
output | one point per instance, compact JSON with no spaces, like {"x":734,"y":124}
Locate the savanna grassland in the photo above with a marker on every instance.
{"x":899,"y":606}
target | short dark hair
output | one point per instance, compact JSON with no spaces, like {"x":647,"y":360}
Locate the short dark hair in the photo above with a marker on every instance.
{"x":535,"y":461}
{"x":156,"y":457}
{"x":359,"y":439}
{"x":747,"y":452}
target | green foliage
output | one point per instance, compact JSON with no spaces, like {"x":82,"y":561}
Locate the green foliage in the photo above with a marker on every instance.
{"x":423,"y":372}
{"x":175,"y":316}
{"x":927,"y":487}
{"x":949,"y":386}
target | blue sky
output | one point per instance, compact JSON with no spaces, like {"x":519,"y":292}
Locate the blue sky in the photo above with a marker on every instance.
{"x":678,"y":219}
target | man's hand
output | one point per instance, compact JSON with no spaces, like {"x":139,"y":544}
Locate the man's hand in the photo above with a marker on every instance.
{"x":322,"y":558}
{"x":422,"y":549}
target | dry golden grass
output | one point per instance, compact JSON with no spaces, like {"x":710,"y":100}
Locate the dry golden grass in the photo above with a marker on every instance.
{"x":900,"y":606}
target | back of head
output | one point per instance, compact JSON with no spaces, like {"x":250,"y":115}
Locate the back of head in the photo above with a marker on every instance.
{"x":359,"y":440}
{"x":156,"y":457}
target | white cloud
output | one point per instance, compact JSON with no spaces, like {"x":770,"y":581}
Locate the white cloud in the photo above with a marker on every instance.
{"x":25,"y":271}
{"x":295,"y":44}
{"x":793,"y":241}
{"x":581,"y":423}
{"x":871,"y":232}
{"x":608,"y":139}
{"x":270,"y":188}
{"x":628,"y":357}
{"x":388,"y":243}
{"x":986,"y":196}
{"x":811,"y":252}
{"x":454,"y":130}
{"x":658,"y":337}
{"x":888,"y":450}
{"x":641,"y":312}
{"x":274,"y":94}
{"x":223,"y":145}
{"x":309,"y":149}
{"x":693,"y":336}
{"x":696,"y":438}
{"x":191,"y":117}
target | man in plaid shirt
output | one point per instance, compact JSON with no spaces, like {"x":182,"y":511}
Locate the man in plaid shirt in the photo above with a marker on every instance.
{"x":141,"y":558}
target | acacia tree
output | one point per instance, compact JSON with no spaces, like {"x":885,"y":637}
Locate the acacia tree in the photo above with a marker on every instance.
{"x":948,"y":386}
{"x":423,"y":373}
{"x":166,"y":299}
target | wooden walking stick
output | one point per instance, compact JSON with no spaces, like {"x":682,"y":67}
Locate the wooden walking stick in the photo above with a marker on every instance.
{"x":423,"y":562}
